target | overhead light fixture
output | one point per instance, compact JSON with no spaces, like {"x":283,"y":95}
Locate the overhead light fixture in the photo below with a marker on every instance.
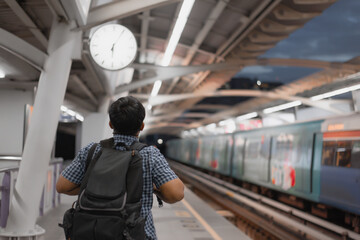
{"x":177,"y":31}
{"x":246,"y":116}
{"x":335,"y":92}
{"x":72,"y":113}
{"x":228,"y":125}
{"x":2,"y":74}
{"x":79,"y":117}
{"x":156,"y":88}
{"x":211,"y":126}
{"x":282,"y":107}
{"x":174,"y":39}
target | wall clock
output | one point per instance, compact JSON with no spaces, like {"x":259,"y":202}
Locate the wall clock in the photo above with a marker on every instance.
{"x":113,"y":46}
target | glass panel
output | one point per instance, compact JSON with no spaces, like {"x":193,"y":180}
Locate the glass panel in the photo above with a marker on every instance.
{"x":237,"y":170}
{"x":343,"y":154}
{"x":355,"y":155}
{"x":256,"y":160}
{"x":328,"y":154}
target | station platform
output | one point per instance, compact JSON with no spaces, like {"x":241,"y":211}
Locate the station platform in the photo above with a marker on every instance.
{"x":190,"y":219}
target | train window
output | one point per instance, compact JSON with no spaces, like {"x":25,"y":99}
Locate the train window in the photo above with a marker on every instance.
{"x":355,"y":155}
{"x":284,"y":147}
{"x":343,"y":154}
{"x":328,"y":154}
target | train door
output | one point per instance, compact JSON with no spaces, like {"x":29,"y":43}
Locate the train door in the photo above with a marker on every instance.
{"x":340,"y":170}
{"x":238,"y":156}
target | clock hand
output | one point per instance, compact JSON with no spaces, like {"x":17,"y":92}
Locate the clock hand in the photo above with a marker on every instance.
{"x":119,"y":36}
{"x":112,"y":48}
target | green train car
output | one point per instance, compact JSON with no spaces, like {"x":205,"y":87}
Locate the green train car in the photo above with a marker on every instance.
{"x":317,"y":161}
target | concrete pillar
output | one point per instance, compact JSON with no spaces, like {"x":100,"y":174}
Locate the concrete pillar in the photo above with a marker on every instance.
{"x":24,"y":207}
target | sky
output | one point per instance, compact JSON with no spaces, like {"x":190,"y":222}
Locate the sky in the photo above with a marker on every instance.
{"x":332,"y":36}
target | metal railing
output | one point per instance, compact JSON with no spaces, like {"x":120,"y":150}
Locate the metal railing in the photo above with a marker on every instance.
{"x":8,"y":177}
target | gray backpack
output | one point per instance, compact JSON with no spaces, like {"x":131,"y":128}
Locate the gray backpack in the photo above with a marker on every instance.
{"x":109,"y":203}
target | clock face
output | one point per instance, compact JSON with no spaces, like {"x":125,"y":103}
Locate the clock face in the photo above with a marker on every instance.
{"x":113,"y":46}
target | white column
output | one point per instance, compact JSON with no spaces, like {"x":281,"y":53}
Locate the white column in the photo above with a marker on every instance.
{"x":24,"y":207}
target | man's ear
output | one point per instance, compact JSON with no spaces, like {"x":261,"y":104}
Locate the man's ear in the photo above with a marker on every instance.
{"x":142,"y":126}
{"x":110,"y":125}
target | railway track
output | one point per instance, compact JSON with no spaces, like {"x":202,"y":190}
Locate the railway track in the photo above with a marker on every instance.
{"x":266,"y":218}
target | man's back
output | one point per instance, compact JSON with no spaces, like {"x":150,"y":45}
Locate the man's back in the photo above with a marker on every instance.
{"x":155,"y":171}
{"x":127,"y":116}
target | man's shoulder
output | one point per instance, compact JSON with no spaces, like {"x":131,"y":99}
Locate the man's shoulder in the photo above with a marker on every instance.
{"x":149,"y":149}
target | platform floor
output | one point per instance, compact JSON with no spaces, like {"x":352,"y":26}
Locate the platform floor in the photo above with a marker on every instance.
{"x":189,"y":219}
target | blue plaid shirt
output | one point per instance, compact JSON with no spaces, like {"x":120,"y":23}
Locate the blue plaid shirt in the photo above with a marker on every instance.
{"x":155,"y":170}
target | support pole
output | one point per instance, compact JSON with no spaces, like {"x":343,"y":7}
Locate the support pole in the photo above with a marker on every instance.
{"x":53,"y":80}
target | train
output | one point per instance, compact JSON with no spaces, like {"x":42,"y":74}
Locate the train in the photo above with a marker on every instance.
{"x":313,"y":164}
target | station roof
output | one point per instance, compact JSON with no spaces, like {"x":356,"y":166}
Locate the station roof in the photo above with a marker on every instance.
{"x":233,"y":57}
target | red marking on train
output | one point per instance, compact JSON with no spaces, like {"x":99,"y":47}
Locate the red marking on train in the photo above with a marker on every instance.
{"x":341,"y":134}
{"x":292,"y":177}
{"x":214,"y":164}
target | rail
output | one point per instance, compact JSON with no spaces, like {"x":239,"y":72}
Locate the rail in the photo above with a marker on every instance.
{"x":263,"y":204}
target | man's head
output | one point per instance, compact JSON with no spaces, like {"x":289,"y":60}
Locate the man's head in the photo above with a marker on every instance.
{"x":127,"y":115}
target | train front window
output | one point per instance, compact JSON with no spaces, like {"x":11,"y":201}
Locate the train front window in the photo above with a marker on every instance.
{"x":345,"y":153}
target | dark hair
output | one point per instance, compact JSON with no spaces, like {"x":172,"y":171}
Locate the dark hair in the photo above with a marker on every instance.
{"x":126,"y":115}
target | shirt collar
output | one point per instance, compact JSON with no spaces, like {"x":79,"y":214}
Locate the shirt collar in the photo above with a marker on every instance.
{"x":128,"y":140}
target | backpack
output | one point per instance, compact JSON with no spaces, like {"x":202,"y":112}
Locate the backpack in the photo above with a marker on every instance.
{"x":109,"y":202}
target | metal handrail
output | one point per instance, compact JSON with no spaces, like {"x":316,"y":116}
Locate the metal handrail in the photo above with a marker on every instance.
{"x":11,"y":158}
{"x":8,"y":169}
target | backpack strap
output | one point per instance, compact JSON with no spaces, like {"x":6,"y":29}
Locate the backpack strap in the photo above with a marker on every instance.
{"x":90,"y":155}
{"x":89,"y":165}
{"x":107,"y":143}
{"x":137,"y":146}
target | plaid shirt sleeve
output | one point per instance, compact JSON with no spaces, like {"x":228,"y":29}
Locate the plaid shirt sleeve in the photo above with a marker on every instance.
{"x":76,"y":170}
{"x":161,"y":172}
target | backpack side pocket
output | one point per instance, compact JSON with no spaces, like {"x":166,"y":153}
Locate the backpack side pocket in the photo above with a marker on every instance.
{"x":67,"y":224}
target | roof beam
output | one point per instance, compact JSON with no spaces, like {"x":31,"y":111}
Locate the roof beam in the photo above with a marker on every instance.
{"x":145,"y":22}
{"x":161,"y":99}
{"x":87,"y":63}
{"x":170,"y":72}
{"x":181,"y":45}
{"x":122,"y":9}
{"x":253,"y":20}
{"x":210,"y":106}
{"x":22,"y":49}
{"x":79,"y":102}
{"x":209,"y":23}
{"x":84,"y":88}
{"x":19,"y":11}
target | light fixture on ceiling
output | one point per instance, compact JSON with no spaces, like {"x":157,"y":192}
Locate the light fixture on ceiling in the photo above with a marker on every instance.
{"x":2,"y":73}
{"x":72,"y":113}
{"x":282,"y":107}
{"x":246,"y":116}
{"x":335,"y":92}
{"x":174,"y":39}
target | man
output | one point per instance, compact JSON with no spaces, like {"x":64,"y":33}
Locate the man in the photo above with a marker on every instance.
{"x":126,"y":119}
